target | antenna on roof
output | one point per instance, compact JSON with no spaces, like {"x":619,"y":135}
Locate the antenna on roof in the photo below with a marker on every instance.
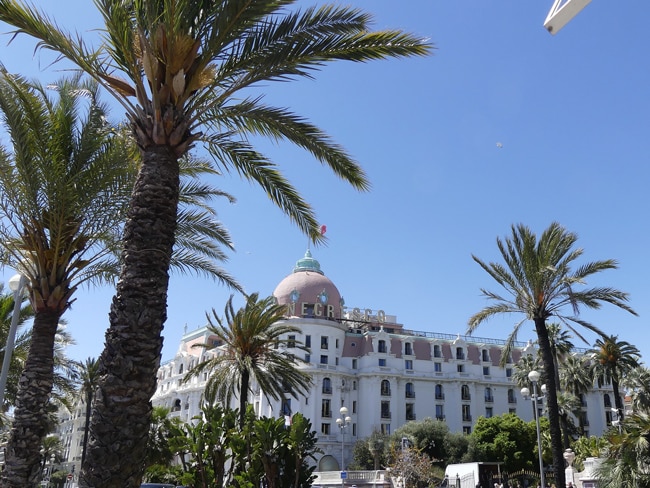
{"x":562,"y":12}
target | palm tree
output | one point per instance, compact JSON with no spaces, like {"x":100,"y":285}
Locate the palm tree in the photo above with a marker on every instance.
{"x":561,"y":346}
{"x":86,"y":376}
{"x":637,"y":382}
{"x":613,"y":359}
{"x":541,"y":284}
{"x":627,"y":461}
{"x":250,"y":349}
{"x":576,"y":379}
{"x":64,"y":186}
{"x":184,"y":72}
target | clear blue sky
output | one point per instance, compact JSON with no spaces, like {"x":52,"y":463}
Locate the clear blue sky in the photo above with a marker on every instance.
{"x":571,"y":112}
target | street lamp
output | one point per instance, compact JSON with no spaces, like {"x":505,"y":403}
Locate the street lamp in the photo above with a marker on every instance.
{"x":16,"y":285}
{"x":533,"y":376}
{"x":343,"y":422}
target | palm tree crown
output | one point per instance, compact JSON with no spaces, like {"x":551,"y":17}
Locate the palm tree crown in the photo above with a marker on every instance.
{"x":613,"y":359}
{"x":540,"y":282}
{"x":251,"y":349}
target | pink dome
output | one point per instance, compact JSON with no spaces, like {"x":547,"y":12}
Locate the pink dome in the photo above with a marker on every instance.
{"x":308,"y":292}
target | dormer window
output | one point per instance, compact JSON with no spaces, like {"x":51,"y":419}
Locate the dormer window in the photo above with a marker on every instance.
{"x":323,"y":297}
{"x":460,"y":353}
{"x":294,"y":295}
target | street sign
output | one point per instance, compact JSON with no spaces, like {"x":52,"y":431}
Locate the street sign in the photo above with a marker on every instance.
{"x":344,"y":475}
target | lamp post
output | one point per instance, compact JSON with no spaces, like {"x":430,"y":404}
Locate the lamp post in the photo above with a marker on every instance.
{"x":343,"y":421}
{"x":533,"y":376}
{"x":16,"y":285}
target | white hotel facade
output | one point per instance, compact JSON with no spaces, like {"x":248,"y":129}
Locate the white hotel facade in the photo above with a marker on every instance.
{"x":384,"y":374}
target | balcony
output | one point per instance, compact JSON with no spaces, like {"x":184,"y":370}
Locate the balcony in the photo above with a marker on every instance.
{"x":489,"y":399}
{"x":385,"y":415}
{"x":467,"y":418}
{"x":327,"y":390}
{"x":440,"y":396}
{"x":440,"y":417}
{"x":466,"y":397}
{"x":512,"y":400}
{"x":410,"y":416}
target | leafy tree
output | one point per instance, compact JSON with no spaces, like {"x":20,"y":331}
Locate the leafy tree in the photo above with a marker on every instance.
{"x":160,"y":453}
{"x":249,"y":350}
{"x":505,"y":438}
{"x":540,"y":283}
{"x":585,"y":447}
{"x":179,"y":68}
{"x":370,"y":453}
{"x":613,"y":359}
{"x":283,"y":452}
{"x":427,"y":436}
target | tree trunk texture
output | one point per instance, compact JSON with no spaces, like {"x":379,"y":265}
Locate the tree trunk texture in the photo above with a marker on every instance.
{"x":551,"y":392}
{"x":131,"y":356}
{"x":30,"y":426}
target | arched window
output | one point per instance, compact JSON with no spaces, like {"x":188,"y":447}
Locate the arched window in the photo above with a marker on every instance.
{"x":410,"y":390}
{"x":385,"y":388}
{"x":464,"y":393}
{"x":381,"y":345}
{"x":607,"y":400}
{"x":488,"y":395}
{"x":485,"y":355}
{"x":460,"y":354}
{"x":327,"y":385}
{"x":180,"y":369}
{"x":511,"y":396}
{"x":177,"y":405}
{"x":440,"y":394}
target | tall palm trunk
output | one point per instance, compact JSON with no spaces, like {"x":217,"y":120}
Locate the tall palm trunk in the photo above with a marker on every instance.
{"x":29,"y":428}
{"x":552,"y":403}
{"x":128,"y":365}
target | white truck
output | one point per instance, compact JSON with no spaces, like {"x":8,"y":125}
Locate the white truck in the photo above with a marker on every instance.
{"x":472,"y":475}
